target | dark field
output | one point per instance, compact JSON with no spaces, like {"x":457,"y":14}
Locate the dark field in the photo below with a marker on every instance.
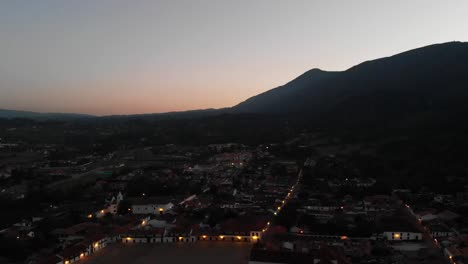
{"x":200,"y":252}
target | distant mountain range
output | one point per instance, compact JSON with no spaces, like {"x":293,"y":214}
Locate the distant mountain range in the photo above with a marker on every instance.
{"x":424,"y":83}
{"x":4,"y":113}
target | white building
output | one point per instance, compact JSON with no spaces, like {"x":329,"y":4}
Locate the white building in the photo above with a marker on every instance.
{"x":151,"y":206}
{"x":402,"y":236}
{"x":399,"y":229}
{"x":111,"y":206}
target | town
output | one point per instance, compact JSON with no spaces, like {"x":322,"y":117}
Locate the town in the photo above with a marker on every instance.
{"x":300,"y":201}
{"x":233,"y":132}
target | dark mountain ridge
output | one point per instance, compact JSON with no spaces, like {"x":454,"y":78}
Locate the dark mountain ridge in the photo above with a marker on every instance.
{"x":427,"y":84}
{"x":431,"y":81}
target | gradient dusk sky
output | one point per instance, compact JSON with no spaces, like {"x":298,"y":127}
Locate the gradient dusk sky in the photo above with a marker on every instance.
{"x":136,"y":56}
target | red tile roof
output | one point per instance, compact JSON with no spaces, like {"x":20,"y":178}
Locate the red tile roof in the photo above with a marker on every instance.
{"x":245,"y":224}
{"x":87,"y":227}
{"x":73,"y":251}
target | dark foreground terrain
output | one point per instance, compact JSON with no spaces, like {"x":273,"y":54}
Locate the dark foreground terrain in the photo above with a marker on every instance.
{"x":201,"y":252}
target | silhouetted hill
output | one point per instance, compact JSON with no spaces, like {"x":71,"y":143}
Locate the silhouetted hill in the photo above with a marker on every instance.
{"x":282,"y":98}
{"x":9,"y":114}
{"x":169,"y":115}
{"x":429,"y":83}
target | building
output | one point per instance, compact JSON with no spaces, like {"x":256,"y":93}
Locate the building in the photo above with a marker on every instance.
{"x":144,"y":235}
{"x":244,"y":228}
{"x":398,"y":229}
{"x":151,"y":205}
{"x":111,"y":206}
{"x":440,"y":230}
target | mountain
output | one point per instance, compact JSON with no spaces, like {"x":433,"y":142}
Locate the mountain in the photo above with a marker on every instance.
{"x":281,"y":99}
{"x":428,"y":83}
{"x":9,"y":114}
{"x":189,"y":114}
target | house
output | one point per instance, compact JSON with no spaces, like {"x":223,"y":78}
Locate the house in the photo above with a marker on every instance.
{"x":96,"y":242}
{"x":426,"y":216}
{"x":238,"y":159}
{"x":78,"y":231}
{"x":114,"y":203}
{"x":377,"y":203}
{"x":151,"y":205}
{"x":323,"y":207}
{"x":244,"y":228}
{"x":206,"y":233}
{"x":440,"y":230}
{"x":179,"y":234}
{"x":144,"y":235}
{"x":398,"y":229}
{"x":456,"y":254}
{"x":156,"y":223}
{"x":88,"y":246}
{"x":111,"y":206}
{"x":74,"y":253}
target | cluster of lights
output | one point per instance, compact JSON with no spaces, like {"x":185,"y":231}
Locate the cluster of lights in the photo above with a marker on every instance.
{"x":266,"y":228}
{"x":279,"y":209}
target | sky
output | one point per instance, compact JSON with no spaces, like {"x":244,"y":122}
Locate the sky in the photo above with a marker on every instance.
{"x":128,"y":57}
